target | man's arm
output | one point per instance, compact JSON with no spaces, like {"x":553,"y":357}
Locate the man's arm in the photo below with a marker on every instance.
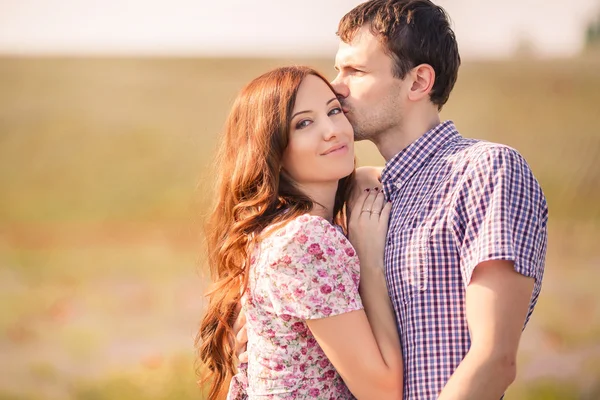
{"x":497,"y":302}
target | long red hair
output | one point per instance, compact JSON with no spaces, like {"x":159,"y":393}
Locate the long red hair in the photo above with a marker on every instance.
{"x":251,"y":193}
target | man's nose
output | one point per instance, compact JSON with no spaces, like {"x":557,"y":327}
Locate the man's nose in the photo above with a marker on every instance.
{"x":340,"y":87}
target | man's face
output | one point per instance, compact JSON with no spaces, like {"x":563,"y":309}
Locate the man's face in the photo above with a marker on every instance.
{"x":371,"y":96}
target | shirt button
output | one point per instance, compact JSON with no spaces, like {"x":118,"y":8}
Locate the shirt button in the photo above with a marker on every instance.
{"x":398,"y":184}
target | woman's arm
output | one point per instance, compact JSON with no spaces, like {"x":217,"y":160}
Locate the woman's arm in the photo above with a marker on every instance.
{"x":364,"y":345}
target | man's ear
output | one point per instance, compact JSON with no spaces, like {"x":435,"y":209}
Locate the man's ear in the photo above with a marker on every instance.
{"x":423,"y":77}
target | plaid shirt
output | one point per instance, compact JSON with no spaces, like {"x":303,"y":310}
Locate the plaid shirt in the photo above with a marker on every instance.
{"x":456,"y":203}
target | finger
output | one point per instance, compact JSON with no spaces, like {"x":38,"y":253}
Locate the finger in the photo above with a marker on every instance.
{"x":378,"y":204}
{"x":356,"y":206}
{"x":362,"y":203}
{"x":368,"y":206}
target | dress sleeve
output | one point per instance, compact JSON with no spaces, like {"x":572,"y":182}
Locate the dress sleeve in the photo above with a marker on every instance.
{"x":502,"y":214}
{"x":315,"y":273}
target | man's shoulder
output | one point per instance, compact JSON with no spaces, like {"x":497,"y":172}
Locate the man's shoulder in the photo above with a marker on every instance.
{"x":476,"y":153}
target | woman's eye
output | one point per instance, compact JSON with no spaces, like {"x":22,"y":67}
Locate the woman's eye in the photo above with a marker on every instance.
{"x":303,"y":124}
{"x":335,"y":111}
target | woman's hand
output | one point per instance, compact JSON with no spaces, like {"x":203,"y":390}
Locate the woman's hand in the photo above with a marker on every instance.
{"x":368,"y":224}
{"x":364,"y":178}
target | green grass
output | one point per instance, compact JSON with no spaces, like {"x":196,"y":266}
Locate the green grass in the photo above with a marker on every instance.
{"x":104,"y":170}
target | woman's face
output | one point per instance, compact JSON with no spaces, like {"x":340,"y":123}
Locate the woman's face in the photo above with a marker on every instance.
{"x":321,"y":143}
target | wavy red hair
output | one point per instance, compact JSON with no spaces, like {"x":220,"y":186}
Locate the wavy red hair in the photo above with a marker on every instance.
{"x":252,"y":193}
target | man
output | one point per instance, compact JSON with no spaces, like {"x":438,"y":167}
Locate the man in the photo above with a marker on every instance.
{"x":467,"y":239}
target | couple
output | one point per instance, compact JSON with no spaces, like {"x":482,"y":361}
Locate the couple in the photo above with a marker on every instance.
{"x":413,"y":282}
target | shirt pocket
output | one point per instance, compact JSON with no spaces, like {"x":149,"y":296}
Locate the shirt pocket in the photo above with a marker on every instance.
{"x":411,"y":259}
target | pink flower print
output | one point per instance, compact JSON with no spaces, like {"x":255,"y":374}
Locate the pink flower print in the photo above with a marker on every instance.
{"x":279,"y":367}
{"x":314,"y":392}
{"x":286,"y":259}
{"x":326,"y":289}
{"x":299,"y":327}
{"x":355,"y":279}
{"x":330,"y":374}
{"x":302,"y":238}
{"x":341,"y":287}
{"x":327,"y":311}
{"x":315,"y":249}
{"x":349,"y":251}
{"x":315,"y":299}
{"x":304,"y":350}
{"x":286,"y":317}
{"x":330,"y":251}
{"x":324,"y":363}
{"x":302,"y":367}
{"x":322,"y":273}
{"x":299,"y":292}
{"x":311,"y":342}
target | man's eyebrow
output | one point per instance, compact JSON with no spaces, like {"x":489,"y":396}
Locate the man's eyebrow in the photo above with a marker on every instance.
{"x":349,"y":64}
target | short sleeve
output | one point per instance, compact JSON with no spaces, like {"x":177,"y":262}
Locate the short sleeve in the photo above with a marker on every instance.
{"x":501,"y":214}
{"x":315,"y":273}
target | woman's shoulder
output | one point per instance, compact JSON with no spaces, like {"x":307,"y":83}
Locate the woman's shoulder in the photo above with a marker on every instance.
{"x":306,"y":238}
{"x":306,"y":227}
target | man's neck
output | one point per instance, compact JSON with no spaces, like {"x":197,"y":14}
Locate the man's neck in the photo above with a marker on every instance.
{"x":393,"y":142}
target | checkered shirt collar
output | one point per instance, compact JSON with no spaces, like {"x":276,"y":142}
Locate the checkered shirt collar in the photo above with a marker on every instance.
{"x":403,"y":165}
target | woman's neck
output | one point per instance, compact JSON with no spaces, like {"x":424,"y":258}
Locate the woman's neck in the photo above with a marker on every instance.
{"x":323,"y":196}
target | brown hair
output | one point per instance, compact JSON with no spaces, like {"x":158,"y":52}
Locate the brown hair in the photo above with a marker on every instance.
{"x":251,"y":193}
{"x":412,"y":32}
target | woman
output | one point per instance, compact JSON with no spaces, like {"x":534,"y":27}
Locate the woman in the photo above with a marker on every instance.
{"x":276,"y":242}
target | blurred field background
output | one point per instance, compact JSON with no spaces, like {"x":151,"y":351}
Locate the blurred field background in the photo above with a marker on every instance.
{"x":104,"y":182}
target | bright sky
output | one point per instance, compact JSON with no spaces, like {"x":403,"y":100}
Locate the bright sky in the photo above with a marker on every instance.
{"x":484,"y":28}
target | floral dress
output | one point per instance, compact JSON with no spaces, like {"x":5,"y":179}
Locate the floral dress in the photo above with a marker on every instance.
{"x":306,"y":269}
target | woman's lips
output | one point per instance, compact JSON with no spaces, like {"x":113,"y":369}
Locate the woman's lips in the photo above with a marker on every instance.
{"x":336,"y":150}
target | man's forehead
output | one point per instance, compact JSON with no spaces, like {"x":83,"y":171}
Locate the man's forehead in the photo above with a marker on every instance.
{"x":349,"y":52}
{"x":356,"y":52}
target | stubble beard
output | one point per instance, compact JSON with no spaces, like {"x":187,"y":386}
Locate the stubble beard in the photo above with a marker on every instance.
{"x":366,"y":129}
